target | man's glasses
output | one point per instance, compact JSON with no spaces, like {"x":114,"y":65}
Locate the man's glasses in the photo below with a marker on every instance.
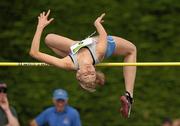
{"x":3,"y":90}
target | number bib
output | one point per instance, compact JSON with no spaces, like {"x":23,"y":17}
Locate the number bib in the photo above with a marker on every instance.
{"x":76,"y":47}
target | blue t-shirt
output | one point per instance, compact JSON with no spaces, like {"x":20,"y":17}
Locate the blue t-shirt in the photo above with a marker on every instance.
{"x":69,"y":117}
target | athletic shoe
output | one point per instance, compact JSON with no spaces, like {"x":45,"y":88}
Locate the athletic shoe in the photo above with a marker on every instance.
{"x":126,"y":104}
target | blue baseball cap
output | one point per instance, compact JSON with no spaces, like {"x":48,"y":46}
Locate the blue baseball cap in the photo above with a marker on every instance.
{"x":60,"y":94}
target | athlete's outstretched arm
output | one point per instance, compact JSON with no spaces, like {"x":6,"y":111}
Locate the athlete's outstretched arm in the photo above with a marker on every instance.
{"x":34,"y":51}
{"x":102,"y":39}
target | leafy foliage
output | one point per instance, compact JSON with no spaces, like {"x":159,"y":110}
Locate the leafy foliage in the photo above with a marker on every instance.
{"x":153,"y":26}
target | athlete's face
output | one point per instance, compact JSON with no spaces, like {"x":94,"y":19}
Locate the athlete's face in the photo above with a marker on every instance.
{"x":60,"y":104}
{"x":87,"y":74}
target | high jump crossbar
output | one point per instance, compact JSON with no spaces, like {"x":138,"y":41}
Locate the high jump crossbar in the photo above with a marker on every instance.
{"x":111,"y":64}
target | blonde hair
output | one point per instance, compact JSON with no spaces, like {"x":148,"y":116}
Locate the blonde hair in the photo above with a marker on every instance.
{"x":91,"y":86}
{"x":100,"y":78}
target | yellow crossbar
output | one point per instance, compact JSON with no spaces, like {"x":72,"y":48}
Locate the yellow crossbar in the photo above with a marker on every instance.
{"x":6,"y":64}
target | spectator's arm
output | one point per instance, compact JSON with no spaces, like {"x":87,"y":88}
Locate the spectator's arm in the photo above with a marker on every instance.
{"x":12,"y":121}
{"x":41,"y":119}
{"x":33,"y":123}
{"x":76,"y":119}
{"x":4,"y":104}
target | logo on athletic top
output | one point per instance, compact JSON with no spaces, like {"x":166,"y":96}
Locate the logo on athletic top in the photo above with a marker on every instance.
{"x":81,"y":42}
{"x":76,"y":47}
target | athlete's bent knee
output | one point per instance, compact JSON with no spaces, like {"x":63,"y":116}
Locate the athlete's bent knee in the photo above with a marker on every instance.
{"x":132,"y":49}
{"x":49,"y":38}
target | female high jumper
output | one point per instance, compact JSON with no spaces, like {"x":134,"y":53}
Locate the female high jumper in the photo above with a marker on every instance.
{"x":81,"y":56}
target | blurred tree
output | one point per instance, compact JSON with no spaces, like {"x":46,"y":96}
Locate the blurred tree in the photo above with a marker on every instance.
{"x":153,"y":26}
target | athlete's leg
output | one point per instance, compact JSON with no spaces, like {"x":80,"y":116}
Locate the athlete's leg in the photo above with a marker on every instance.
{"x":59,"y":52}
{"x":127,"y":49}
{"x":59,"y":44}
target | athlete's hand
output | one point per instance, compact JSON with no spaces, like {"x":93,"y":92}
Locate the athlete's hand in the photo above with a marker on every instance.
{"x":99,"y":20}
{"x":43,"y":19}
